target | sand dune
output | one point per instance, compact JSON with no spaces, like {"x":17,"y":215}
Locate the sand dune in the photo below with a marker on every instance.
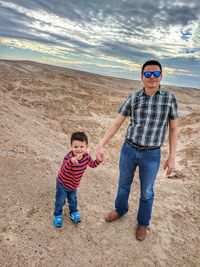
{"x":41,"y":106}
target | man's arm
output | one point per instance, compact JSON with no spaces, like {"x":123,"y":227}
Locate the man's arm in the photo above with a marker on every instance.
{"x":170,"y":163}
{"x":110,"y":133}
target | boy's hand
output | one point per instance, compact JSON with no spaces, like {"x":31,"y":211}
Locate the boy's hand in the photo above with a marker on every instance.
{"x":100,"y":152}
{"x":99,"y":157}
{"x":74,"y":160}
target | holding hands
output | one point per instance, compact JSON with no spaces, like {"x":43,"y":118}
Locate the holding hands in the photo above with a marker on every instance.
{"x":74,"y":160}
{"x":99,"y":157}
{"x":100,"y":153}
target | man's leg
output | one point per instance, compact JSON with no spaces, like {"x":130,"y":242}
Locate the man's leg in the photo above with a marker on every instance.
{"x":148,"y":167}
{"x":127,"y":168}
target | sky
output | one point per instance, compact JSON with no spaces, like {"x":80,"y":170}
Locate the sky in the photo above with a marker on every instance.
{"x":112,"y":38}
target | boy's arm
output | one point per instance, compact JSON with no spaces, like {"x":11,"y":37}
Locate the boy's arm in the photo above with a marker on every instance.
{"x":67,"y":162}
{"x":93,"y":163}
{"x":74,"y":160}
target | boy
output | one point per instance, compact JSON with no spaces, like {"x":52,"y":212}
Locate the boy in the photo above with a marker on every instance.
{"x":69,"y":177}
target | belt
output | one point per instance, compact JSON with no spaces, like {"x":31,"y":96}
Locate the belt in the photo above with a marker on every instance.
{"x":139,"y":146}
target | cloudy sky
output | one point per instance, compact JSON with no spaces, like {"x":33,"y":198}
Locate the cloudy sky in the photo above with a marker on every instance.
{"x":107,"y":37}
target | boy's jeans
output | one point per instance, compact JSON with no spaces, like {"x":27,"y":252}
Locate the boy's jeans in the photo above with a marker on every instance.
{"x":148,"y":162}
{"x":61,"y":194}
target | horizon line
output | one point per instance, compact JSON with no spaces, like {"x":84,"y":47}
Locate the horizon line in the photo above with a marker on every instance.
{"x":92,"y":73}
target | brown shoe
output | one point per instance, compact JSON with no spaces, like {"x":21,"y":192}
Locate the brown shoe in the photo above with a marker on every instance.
{"x":112,"y":216}
{"x":141,"y":232}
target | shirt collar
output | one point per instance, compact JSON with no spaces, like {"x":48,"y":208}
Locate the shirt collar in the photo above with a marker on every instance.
{"x":142,"y":91}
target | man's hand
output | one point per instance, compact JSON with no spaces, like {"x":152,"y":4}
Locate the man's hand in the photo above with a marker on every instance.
{"x":169,"y":165}
{"x":74,"y":160}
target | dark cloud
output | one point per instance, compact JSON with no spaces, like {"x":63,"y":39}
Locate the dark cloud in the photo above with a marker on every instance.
{"x":128,"y":15}
{"x":131,"y":18}
{"x":141,"y":12}
{"x":116,"y":49}
{"x":178,"y":63}
{"x":76,"y":43}
{"x":175,"y":15}
{"x":125,"y":20}
{"x":11,"y":17}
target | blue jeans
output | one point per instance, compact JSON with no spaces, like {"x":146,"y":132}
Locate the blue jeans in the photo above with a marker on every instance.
{"x":61,"y":194}
{"x":148,"y":162}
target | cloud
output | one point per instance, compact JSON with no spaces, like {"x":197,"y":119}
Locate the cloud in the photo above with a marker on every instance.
{"x":35,"y":46}
{"x":126,"y":31}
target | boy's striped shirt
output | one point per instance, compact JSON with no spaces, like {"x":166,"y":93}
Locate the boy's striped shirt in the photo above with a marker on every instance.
{"x":70,"y":175}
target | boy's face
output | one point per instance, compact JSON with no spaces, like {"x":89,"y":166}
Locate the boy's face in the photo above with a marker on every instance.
{"x":79,"y":147}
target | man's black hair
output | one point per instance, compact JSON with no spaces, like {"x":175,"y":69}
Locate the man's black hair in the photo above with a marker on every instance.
{"x":79,"y":136}
{"x":151,"y":62}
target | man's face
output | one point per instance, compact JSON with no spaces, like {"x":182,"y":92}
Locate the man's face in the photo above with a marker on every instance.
{"x":151,"y":82}
{"x":79,"y":147}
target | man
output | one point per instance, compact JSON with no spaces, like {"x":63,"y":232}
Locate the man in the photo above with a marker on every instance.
{"x":152,"y":110}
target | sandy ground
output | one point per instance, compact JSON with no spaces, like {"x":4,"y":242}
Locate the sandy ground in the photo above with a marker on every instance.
{"x":40,"y":107}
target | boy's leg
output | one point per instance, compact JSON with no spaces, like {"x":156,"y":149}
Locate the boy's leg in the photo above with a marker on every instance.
{"x":72,"y":200}
{"x":60,"y":199}
{"x":128,"y":164}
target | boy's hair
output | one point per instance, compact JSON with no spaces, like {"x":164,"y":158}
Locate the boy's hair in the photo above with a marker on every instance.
{"x":79,"y":136}
{"x":151,"y":62}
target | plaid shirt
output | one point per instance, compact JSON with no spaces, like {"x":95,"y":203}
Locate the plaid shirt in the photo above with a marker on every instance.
{"x":150,"y":116}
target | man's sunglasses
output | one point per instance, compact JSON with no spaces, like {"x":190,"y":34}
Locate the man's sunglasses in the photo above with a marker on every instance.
{"x":148,"y":74}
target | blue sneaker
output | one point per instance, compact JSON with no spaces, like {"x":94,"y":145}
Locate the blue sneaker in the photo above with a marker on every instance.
{"x":75,"y":217}
{"x":57,"y":220}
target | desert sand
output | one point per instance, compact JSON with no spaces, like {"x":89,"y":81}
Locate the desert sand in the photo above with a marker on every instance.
{"x":41,"y":106}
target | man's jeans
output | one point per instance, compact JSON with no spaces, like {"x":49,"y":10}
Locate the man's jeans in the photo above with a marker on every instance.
{"x":61,"y":194}
{"x":148,"y":162}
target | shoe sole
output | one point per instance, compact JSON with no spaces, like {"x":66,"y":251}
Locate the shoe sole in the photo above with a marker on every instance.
{"x":74,"y":220}
{"x":56,"y":226}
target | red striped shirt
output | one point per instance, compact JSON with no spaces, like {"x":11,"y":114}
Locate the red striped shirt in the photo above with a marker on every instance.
{"x":70,"y":174}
